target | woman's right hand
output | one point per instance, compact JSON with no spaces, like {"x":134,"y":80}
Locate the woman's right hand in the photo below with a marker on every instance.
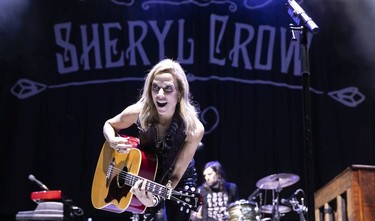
{"x":120,"y":144}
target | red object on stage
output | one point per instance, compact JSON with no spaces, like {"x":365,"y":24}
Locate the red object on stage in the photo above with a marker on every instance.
{"x":46,"y":195}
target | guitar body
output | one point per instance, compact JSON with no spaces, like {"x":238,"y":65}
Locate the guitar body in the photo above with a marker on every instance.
{"x":109,"y":191}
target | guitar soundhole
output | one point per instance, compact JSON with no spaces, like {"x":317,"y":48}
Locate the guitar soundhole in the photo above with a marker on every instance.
{"x":121,"y":178}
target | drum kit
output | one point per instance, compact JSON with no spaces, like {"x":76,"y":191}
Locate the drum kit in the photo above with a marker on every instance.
{"x":252,"y":210}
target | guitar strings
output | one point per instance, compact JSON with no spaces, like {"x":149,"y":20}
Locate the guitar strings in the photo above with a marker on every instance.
{"x":130,"y":179}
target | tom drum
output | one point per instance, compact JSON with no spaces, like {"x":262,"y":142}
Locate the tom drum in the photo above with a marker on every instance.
{"x":243,"y":210}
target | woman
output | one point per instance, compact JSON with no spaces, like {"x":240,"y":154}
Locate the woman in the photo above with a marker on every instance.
{"x":168,"y":126}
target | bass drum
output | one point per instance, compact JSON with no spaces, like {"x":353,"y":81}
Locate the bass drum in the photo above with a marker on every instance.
{"x":243,"y":210}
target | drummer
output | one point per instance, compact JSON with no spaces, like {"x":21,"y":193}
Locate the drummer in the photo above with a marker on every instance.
{"x":216,"y":192}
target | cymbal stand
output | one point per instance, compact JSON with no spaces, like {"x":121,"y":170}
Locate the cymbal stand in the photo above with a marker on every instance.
{"x":275,"y":204}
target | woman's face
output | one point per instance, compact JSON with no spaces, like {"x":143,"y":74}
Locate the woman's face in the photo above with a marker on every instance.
{"x":164,"y":94}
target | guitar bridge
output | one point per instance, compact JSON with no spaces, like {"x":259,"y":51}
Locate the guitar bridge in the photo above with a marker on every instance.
{"x":109,"y":171}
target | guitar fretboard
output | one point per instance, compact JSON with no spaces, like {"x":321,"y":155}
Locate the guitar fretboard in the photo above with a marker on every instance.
{"x":155,"y":188}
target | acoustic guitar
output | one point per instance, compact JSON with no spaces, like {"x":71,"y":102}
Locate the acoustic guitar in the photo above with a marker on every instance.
{"x":117,"y":172}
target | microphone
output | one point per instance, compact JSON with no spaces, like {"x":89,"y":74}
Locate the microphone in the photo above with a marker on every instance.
{"x":293,"y":202}
{"x":75,"y":211}
{"x":289,"y":202}
{"x":297,"y":13}
{"x":40,"y":184}
{"x":295,"y":193}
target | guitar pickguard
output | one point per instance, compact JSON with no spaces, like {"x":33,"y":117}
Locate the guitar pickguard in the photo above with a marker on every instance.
{"x":117,"y":188}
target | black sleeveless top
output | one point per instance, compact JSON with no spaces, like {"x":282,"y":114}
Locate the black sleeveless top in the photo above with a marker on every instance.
{"x":167,"y":150}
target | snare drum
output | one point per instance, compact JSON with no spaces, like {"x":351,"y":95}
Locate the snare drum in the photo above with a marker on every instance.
{"x":243,"y":210}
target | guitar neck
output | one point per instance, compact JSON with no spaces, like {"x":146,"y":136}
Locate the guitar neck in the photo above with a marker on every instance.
{"x":153,"y":187}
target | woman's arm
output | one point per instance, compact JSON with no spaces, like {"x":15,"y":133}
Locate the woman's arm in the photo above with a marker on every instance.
{"x":186,"y":154}
{"x":121,"y":121}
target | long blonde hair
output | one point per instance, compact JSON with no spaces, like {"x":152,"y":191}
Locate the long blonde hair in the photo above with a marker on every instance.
{"x":187,"y":110}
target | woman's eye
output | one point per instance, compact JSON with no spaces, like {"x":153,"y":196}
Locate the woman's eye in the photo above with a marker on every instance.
{"x":155,"y":87}
{"x":168,"y":89}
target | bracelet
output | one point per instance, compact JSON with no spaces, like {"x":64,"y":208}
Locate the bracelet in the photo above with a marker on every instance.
{"x":156,"y":199}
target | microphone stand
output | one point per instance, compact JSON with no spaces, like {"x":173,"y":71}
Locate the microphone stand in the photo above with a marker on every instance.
{"x":309,"y":158}
{"x":300,"y":209}
{"x":299,"y":15}
{"x":71,"y":211}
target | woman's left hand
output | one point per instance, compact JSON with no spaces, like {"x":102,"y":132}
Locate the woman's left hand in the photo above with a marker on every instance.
{"x":139,"y":190}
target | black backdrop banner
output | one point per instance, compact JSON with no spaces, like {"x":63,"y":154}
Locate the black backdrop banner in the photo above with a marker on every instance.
{"x":68,"y":65}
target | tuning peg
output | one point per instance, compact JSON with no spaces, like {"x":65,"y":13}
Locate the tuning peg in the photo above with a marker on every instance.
{"x":187,"y":210}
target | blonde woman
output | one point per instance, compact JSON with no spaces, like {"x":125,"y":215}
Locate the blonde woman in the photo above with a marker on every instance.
{"x":168,"y":127}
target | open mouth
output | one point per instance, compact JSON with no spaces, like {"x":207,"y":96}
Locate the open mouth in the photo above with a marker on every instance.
{"x":161,"y":104}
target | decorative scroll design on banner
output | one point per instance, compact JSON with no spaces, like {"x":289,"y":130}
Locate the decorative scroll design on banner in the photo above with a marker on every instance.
{"x":232,"y":6}
{"x":192,"y":77}
{"x":349,"y":96}
{"x":256,"y":4}
{"x":249,"y":4}
{"x":123,"y":2}
{"x":204,"y":113}
{"x":25,"y":88}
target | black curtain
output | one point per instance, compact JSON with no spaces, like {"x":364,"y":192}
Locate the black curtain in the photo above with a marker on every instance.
{"x":67,"y":66}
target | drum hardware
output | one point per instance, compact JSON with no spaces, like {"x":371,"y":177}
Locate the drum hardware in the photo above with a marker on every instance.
{"x":256,"y":193}
{"x":275,"y":204}
{"x":135,"y":217}
{"x":282,"y":209}
{"x":275,"y":183}
{"x":297,"y":207}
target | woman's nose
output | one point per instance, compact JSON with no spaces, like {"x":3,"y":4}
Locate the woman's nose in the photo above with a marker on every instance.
{"x":161,"y":92}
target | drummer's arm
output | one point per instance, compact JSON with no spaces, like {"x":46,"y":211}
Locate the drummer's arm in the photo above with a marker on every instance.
{"x":199,"y":213}
{"x":196,"y":216}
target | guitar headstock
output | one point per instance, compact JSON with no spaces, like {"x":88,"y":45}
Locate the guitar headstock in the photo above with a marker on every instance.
{"x":189,"y":199}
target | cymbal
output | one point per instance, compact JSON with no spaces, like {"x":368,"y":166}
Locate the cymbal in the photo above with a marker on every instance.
{"x":276,"y":181}
{"x":269,"y":209}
